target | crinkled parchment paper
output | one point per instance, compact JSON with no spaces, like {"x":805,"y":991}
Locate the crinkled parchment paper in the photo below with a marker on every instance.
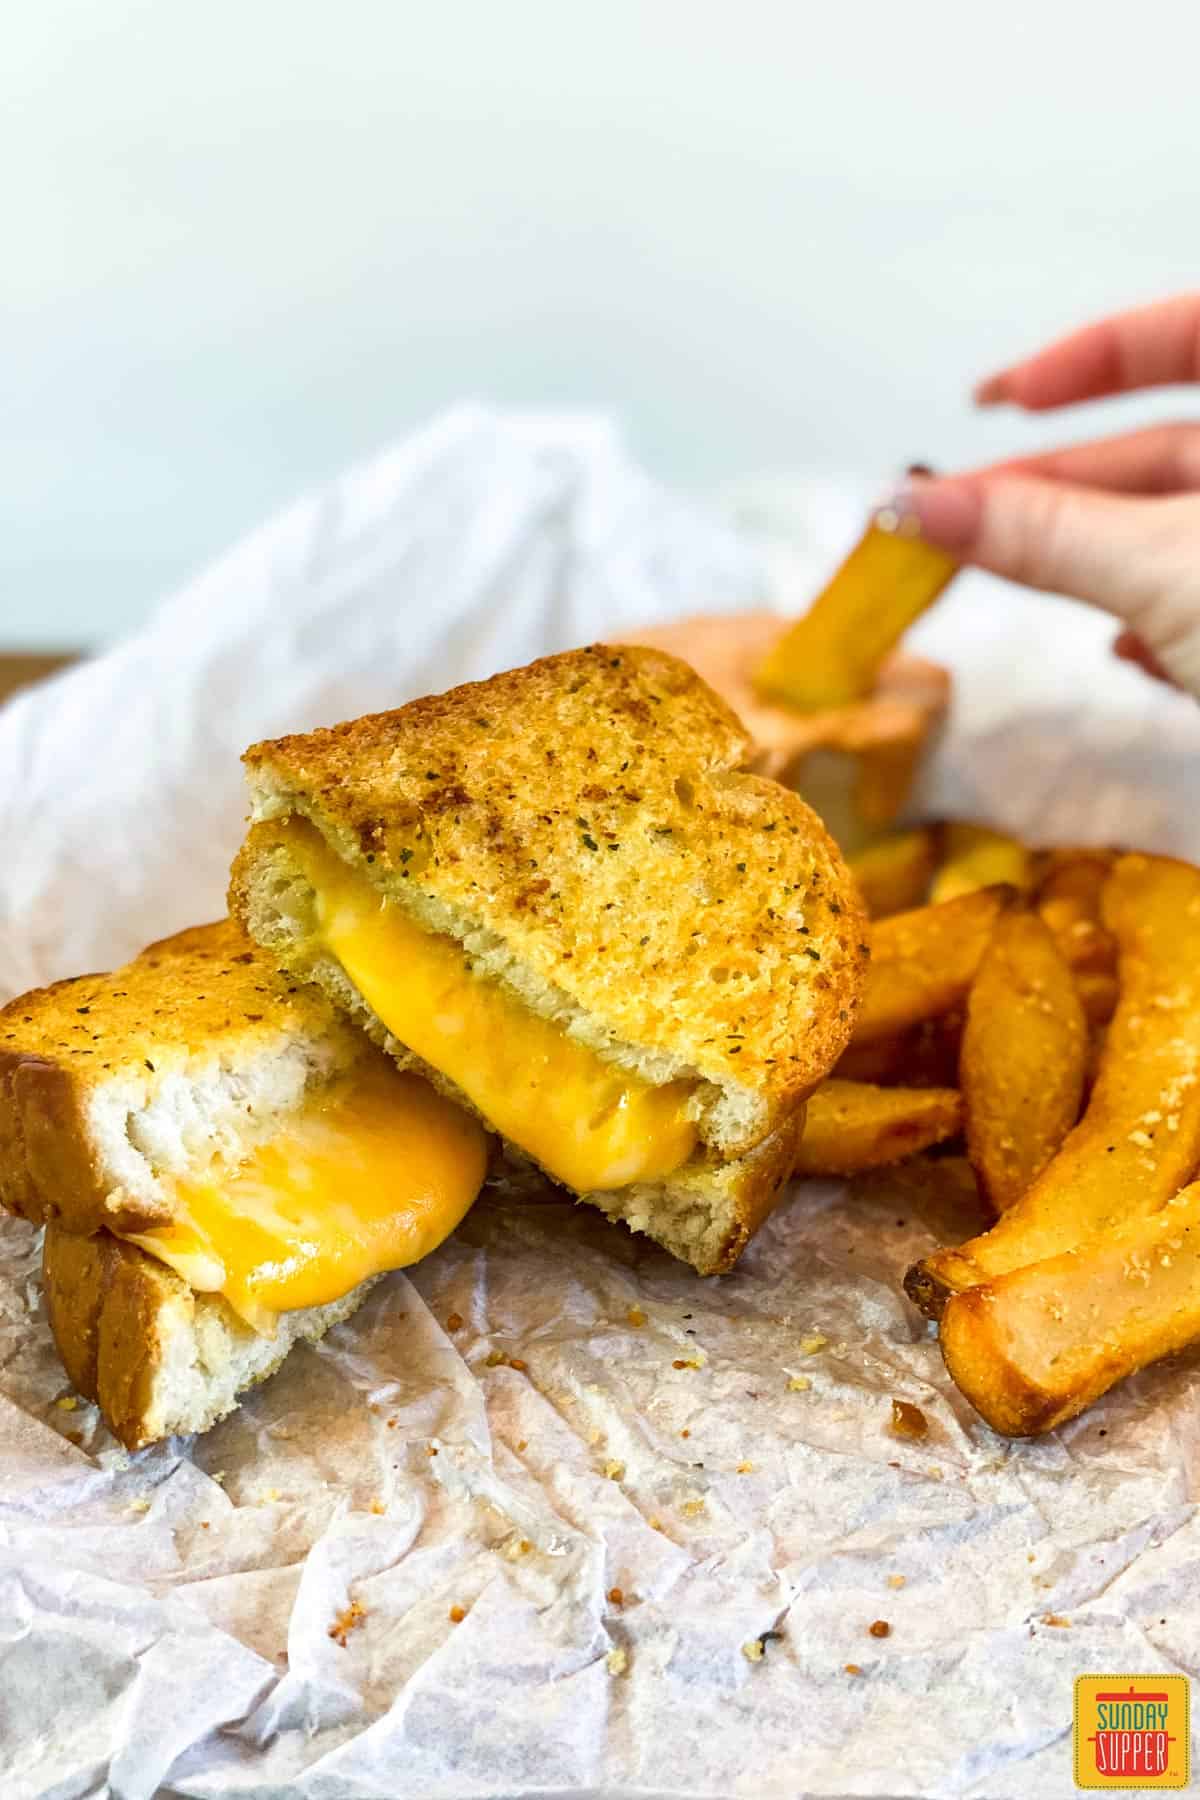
{"x":620,"y":1475}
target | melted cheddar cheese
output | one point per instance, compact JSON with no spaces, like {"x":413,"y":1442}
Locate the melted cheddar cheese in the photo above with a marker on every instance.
{"x":590,"y":1124}
{"x":370,"y":1176}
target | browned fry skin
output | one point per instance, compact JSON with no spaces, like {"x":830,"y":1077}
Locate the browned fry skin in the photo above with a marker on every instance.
{"x":1024,"y":1053}
{"x":1070,"y":885}
{"x":1139,"y":1139}
{"x":1034,"y":1347}
{"x":925,"y":1055}
{"x":923,"y":962}
{"x":853,"y":1126}
{"x":893,"y":875}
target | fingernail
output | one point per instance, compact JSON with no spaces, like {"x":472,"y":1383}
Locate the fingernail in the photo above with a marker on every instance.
{"x":992,"y":390}
{"x":945,"y":513}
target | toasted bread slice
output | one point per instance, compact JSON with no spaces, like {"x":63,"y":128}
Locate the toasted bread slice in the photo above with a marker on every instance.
{"x":855,"y":764}
{"x":585,"y":829}
{"x":110,"y":1085}
{"x":157,"y":1358}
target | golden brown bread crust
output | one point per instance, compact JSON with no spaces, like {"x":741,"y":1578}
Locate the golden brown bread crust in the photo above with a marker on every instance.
{"x":887,"y":733}
{"x":206,"y":986}
{"x":105,"y":1299}
{"x":590,"y":814}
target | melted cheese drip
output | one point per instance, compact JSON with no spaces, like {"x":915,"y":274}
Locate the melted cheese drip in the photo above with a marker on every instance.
{"x":371,"y":1176}
{"x":590,"y":1124}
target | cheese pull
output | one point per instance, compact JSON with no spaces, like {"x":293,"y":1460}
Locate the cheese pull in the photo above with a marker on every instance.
{"x":590,"y":1124}
{"x":371,"y":1176}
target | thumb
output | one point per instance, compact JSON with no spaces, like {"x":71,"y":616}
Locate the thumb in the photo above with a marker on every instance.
{"x":1135,"y":557}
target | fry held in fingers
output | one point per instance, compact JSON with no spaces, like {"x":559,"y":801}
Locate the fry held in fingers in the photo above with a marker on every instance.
{"x":1138,"y":1142}
{"x":852,"y":1126}
{"x":1034,"y":1347}
{"x":1024,"y":1055}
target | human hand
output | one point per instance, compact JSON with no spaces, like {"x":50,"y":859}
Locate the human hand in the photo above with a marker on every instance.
{"x":1115,"y":522}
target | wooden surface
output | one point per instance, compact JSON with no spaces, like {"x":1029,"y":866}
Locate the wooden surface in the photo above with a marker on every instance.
{"x":17,"y":670}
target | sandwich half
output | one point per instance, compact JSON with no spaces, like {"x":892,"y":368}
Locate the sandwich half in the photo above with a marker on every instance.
{"x":224,"y":1168}
{"x":855,"y":763}
{"x":560,"y":897}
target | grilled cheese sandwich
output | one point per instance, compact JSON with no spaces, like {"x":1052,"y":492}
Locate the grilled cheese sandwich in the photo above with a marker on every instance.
{"x":558,"y":895}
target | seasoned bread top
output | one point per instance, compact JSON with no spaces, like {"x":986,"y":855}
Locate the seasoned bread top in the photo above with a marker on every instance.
{"x":585,"y":826}
{"x":107,"y":1081}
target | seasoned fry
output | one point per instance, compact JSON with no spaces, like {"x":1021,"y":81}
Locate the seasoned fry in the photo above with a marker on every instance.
{"x":1069,"y":888}
{"x":853,"y":1126}
{"x":832,"y":656}
{"x":1024,"y":1053}
{"x":1139,"y":1139}
{"x":923,"y":962}
{"x":894,"y":874}
{"x":1034,"y":1347}
{"x":977,"y":857}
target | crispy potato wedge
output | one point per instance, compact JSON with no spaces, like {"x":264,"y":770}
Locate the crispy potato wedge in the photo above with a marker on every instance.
{"x":853,"y":1126}
{"x":923,"y":962}
{"x":1024,"y":1055}
{"x":974,"y":856}
{"x":894,"y":873}
{"x":832,"y":656}
{"x":1034,"y":1347}
{"x":1139,"y":1139}
{"x":1069,"y":885}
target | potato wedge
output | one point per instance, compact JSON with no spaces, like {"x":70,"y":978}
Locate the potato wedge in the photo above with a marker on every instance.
{"x":1024,"y":1055}
{"x":974,"y":856}
{"x":1139,"y":1139}
{"x":1098,"y":995}
{"x":832,"y":655}
{"x":894,"y":873}
{"x":1068,"y":896}
{"x":923,"y":962}
{"x":853,"y":1126}
{"x":1034,"y":1347}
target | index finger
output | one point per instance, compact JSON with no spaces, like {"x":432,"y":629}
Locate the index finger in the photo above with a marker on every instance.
{"x":1151,"y":346}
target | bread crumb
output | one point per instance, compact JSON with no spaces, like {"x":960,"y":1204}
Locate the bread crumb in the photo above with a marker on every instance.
{"x":515,"y":1362}
{"x":377,"y":1506}
{"x":432,"y":1450}
{"x":635,"y":1316}
{"x":880,"y":1628}
{"x":457,"y":1615}
{"x":347,"y":1621}
{"x":908,"y":1421}
{"x":454,"y":1322}
{"x":204,"y":1524}
{"x":617,"y":1660}
{"x":139,"y":1506}
{"x":219,"y":1477}
{"x":691,"y":1509}
{"x":798,"y":1384}
{"x":1056,"y":1619}
{"x":745,"y":1468}
{"x":269,"y":1495}
{"x":688,"y":1362}
{"x":66,"y":1403}
{"x":616,"y":1596}
{"x":614,"y":1470}
{"x":685,"y":1432}
{"x":816,"y":1340}
{"x":494,"y":1359}
{"x":522,"y":1444}
{"x":656,"y":1525}
{"x":896,"y":1581}
{"x":853,"y":1669}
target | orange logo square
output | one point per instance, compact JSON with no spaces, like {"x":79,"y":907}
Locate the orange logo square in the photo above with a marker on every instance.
{"x":1132,"y":1731}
